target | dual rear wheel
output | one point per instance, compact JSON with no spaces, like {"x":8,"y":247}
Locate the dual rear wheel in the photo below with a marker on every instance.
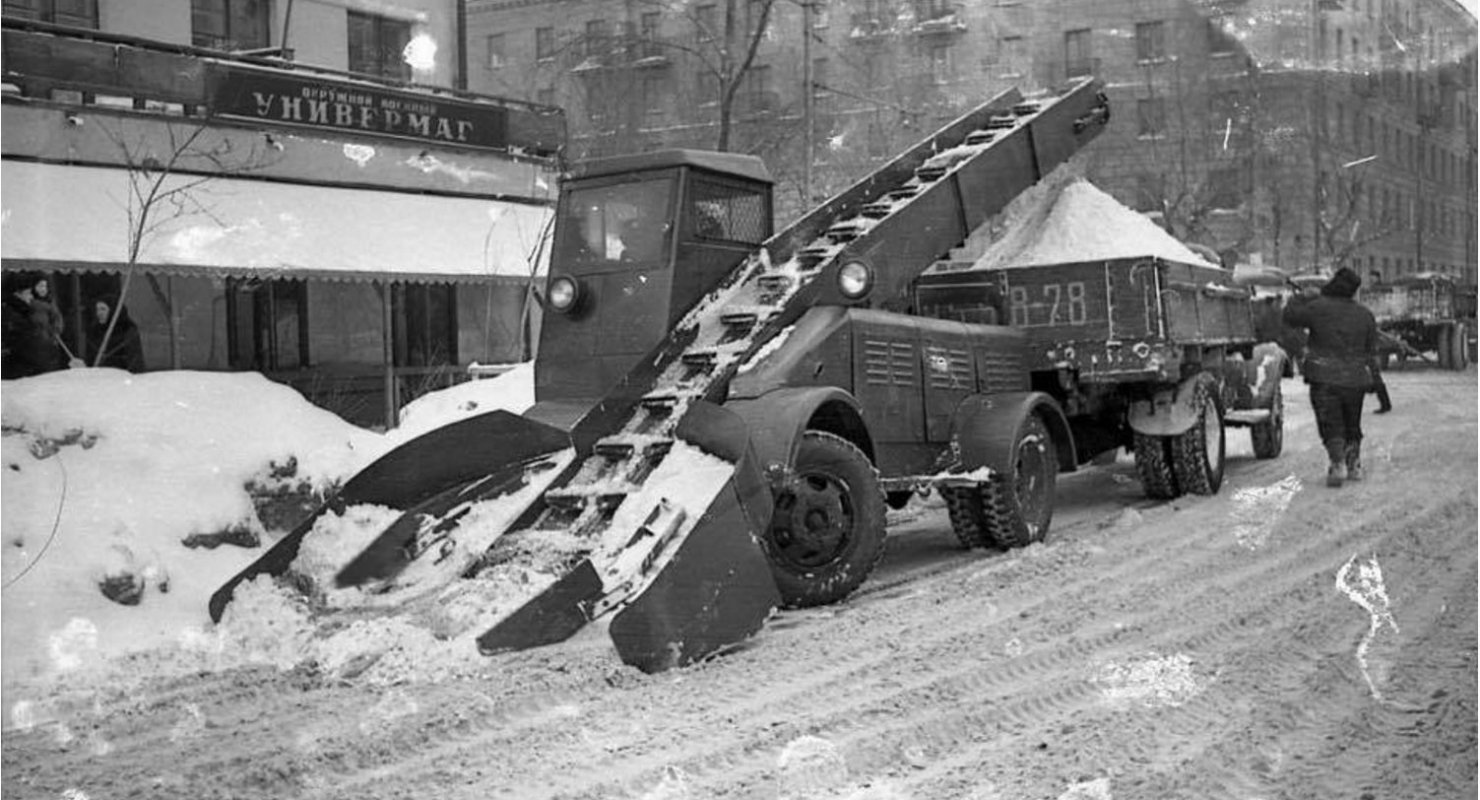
{"x":1192,"y":462}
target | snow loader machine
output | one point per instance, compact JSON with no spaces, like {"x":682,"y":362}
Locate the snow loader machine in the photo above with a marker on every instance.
{"x":723,"y":413}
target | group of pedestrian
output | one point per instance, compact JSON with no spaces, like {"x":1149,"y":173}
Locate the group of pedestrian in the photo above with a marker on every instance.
{"x":33,"y":341}
{"x":1341,"y":366}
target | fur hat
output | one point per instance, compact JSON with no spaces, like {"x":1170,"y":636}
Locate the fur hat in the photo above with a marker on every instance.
{"x":1343,"y":284}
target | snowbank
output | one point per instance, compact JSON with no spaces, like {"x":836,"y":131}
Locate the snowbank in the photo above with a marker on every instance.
{"x":1071,"y":220}
{"x":108,"y":473}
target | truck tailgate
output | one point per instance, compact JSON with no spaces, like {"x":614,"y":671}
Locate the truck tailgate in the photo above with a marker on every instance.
{"x":1123,"y":318}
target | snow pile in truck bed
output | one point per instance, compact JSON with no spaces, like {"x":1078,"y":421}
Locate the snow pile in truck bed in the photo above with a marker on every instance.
{"x":1073,"y":221}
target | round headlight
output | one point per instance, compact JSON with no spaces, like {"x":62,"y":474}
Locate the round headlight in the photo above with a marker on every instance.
{"x":563,"y":294}
{"x":855,"y":279}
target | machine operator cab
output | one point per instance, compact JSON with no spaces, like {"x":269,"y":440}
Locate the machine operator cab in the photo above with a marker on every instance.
{"x":638,"y":240}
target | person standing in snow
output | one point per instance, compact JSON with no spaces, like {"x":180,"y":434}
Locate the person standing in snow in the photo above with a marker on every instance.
{"x":33,"y":327}
{"x":124,"y":348}
{"x":1340,"y":358}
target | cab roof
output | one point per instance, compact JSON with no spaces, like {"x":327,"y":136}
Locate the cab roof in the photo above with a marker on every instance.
{"x":738,"y":164}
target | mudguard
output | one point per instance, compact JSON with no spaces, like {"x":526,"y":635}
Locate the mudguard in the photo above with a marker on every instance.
{"x":1169,"y":412}
{"x":984,"y":429}
{"x":713,"y":591}
{"x":486,"y":448}
{"x":777,"y":420}
{"x":1267,"y":368}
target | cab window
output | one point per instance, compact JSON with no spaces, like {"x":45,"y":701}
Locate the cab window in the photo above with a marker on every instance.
{"x":728,"y":213}
{"x":618,"y":222}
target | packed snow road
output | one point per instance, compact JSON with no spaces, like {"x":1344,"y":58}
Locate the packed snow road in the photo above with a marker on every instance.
{"x":1278,"y":640}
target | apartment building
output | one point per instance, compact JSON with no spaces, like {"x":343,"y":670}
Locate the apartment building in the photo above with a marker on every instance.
{"x":1240,"y":124}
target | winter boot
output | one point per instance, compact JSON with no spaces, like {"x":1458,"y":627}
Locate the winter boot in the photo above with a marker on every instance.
{"x":1354,"y":461}
{"x":1336,"y":473}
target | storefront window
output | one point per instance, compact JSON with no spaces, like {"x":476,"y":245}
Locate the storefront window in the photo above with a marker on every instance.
{"x":267,"y":324}
{"x":425,"y":320}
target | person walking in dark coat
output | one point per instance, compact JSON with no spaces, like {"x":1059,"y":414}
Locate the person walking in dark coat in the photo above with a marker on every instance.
{"x":1340,"y":356}
{"x":124,"y":348}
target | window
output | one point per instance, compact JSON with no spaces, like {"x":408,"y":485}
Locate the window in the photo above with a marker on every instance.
{"x":731,"y":213}
{"x":1151,"y":41}
{"x":1148,"y":193}
{"x":651,"y":32}
{"x":544,"y":44}
{"x":267,"y":324}
{"x":496,"y":56}
{"x":545,"y":96}
{"x":706,"y":21}
{"x":598,"y":38}
{"x":229,"y":24}
{"x":1014,"y":55}
{"x":708,"y":89}
{"x":76,"y":13}
{"x":424,"y":324}
{"x":617,"y":222}
{"x":1077,"y":53}
{"x":652,"y":94}
{"x":376,"y":45}
{"x":1223,"y":188}
{"x":941,"y":71}
{"x":757,"y":88}
{"x":819,"y":76}
{"x":1152,"y":116}
{"x":1219,"y":42}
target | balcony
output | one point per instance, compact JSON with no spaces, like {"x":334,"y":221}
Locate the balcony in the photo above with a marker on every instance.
{"x":868,"y":27}
{"x":939,"y":20}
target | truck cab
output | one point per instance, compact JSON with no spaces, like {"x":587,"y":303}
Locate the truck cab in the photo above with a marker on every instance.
{"x":638,"y":240}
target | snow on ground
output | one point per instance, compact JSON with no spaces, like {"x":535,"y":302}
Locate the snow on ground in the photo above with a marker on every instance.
{"x":1071,"y":220}
{"x":108,"y":473}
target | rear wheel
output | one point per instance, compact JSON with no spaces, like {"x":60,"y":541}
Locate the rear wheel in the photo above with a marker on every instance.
{"x":1009,"y":510}
{"x":1269,"y":436}
{"x":964,"y":507}
{"x":827,"y":531}
{"x":1197,"y":453}
{"x":1154,"y":466}
{"x":1459,"y":347}
{"x":1444,"y":347}
{"x":1017,"y":508}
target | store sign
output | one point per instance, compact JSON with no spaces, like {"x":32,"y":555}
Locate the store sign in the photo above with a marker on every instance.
{"x":358,"y":108}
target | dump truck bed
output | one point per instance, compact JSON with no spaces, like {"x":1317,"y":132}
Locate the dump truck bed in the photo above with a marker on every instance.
{"x":1125,"y":319}
{"x":1426,"y":301}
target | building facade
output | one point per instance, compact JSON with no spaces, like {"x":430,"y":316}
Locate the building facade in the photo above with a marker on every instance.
{"x":1243,"y":125}
{"x":291,"y":187}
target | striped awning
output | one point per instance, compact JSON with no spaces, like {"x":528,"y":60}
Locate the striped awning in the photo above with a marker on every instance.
{"x":68,"y":218}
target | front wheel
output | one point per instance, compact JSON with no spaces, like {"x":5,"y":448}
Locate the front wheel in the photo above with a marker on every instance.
{"x":827,"y":531}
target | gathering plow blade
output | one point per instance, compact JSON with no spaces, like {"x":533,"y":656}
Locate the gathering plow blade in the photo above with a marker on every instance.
{"x":426,"y":477}
{"x":691,"y":579}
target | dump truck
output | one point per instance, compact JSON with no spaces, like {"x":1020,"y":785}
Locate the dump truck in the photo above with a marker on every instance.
{"x":723,"y":412}
{"x":1426,"y":312}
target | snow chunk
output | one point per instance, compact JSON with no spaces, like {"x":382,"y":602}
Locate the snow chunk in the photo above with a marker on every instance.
{"x":1073,"y":221}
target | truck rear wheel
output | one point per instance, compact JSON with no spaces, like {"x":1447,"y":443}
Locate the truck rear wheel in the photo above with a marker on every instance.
{"x":1017,"y":508}
{"x":964,"y":507}
{"x":1154,"y":466}
{"x":1269,"y":436}
{"x":1459,"y":357}
{"x":1443,"y":346}
{"x":1009,"y":510}
{"x":1197,"y":453}
{"x":827,"y":532}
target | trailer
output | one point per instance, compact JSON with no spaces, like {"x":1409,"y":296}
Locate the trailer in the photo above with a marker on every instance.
{"x":1427,"y":312}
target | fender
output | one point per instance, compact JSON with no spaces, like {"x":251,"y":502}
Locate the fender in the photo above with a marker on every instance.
{"x":1169,"y":411}
{"x":1267,"y":368}
{"x":984,"y":429}
{"x":777,"y":420}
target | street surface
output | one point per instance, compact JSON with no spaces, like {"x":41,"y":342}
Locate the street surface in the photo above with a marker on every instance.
{"x":1280,"y":640}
